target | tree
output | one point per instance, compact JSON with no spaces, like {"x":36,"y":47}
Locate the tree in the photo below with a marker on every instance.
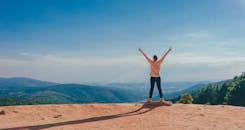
{"x":207,"y":95}
{"x":186,"y":98}
{"x":237,"y":95}
{"x":221,"y":94}
{"x":232,"y":92}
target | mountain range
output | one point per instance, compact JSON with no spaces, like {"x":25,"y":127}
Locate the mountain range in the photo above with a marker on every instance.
{"x":20,"y":91}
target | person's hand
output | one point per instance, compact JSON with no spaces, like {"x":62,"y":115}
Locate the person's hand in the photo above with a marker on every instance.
{"x":140,"y":50}
{"x":170,"y":49}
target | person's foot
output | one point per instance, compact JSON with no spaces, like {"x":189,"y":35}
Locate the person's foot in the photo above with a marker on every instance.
{"x":149,"y":100}
{"x":161,"y":100}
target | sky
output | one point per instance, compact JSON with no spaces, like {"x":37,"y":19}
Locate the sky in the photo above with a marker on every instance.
{"x":97,"y":41}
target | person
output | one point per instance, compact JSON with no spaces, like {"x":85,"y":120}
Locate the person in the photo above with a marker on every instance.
{"x":155,"y":66}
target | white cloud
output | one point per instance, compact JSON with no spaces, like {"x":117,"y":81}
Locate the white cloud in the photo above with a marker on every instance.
{"x":93,"y":62}
{"x":197,"y":35}
{"x":128,"y":68}
{"x":24,"y":54}
{"x":188,"y":58}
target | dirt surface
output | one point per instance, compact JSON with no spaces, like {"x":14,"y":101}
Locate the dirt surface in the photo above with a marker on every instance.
{"x":123,"y":116}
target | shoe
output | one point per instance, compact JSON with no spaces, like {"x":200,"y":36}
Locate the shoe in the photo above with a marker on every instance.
{"x":149,"y":100}
{"x":161,"y":100}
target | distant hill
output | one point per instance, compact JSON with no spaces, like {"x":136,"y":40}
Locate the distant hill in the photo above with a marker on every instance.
{"x":191,"y":89}
{"x":168,"y":87}
{"x":23,"y":82}
{"x":198,"y":87}
{"x":175,"y":96}
{"x":15,"y":92}
{"x":20,"y":91}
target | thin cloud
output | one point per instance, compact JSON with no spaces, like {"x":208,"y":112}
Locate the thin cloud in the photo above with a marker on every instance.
{"x":197,"y":35}
{"x":184,"y":58}
{"x":24,"y":54}
{"x":128,"y":68}
{"x":188,"y":58}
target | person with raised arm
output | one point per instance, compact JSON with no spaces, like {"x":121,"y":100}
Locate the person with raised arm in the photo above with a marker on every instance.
{"x":155,"y":66}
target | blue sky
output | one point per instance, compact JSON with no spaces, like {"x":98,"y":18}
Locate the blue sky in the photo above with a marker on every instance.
{"x":97,"y":40}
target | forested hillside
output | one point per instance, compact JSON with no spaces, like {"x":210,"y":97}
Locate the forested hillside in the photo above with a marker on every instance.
{"x":231,"y":92}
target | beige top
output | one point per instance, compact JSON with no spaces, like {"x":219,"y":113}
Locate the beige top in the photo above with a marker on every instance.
{"x":155,"y":65}
{"x":155,"y":68}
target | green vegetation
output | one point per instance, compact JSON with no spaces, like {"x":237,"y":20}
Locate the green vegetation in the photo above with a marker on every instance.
{"x":9,"y":101}
{"x":186,"y":98}
{"x":231,"y":92}
{"x":207,"y":95}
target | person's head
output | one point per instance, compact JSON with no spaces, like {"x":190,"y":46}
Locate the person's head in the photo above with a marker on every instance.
{"x":155,"y":58}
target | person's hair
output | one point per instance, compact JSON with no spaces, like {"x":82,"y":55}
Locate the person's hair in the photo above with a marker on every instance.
{"x":155,"y":58}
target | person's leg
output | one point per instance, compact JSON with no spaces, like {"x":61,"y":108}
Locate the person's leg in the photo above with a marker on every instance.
{"x":158,"y":80}
{"x":152,"y":81}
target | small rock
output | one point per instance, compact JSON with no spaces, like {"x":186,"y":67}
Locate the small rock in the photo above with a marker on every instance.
{"x":202,"y":115}
{"x":57,"y":116}
{"x":2,"y":112}
{"x":15,"y":111}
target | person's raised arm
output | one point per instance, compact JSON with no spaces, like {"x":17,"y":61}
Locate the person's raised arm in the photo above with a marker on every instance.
{"x":147,"y":58}
{"x":163,"y":57}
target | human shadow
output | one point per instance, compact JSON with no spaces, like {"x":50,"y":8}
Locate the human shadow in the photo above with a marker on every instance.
{"x":145,"y":107}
